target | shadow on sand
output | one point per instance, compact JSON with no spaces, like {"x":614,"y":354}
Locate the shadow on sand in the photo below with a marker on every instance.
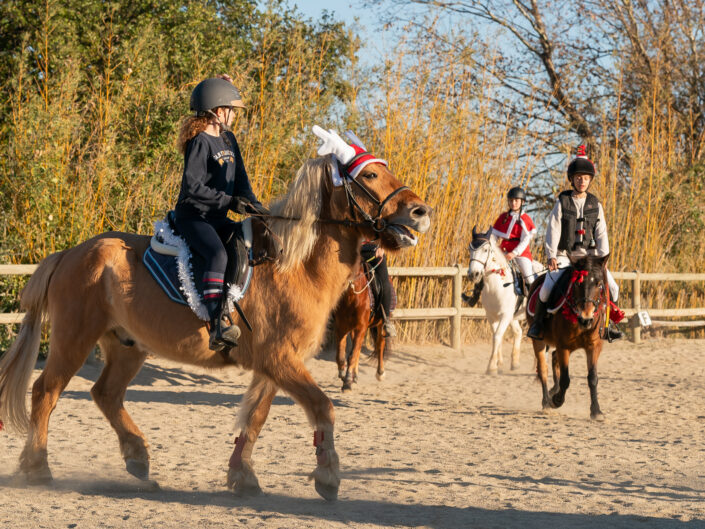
{"x":283,"y":509}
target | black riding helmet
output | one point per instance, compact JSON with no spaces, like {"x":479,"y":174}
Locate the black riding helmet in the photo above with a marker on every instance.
{"x":215,"y":92}
{"x":517,"y":192}
{"x":581,"y":164}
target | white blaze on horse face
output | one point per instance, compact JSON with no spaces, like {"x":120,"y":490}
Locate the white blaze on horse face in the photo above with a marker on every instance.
{"x":479,"y":258}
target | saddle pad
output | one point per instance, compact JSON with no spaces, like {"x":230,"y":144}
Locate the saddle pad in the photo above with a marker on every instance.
{"x":174,"y":274}
{"x":554,"y":304}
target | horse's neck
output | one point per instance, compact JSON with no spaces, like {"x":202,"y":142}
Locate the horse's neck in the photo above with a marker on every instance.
{"x":331,"y":264}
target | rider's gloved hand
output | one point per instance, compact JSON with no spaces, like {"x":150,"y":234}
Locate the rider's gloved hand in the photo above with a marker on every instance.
{"x":256,"y":208}
{"x":238,"y":205}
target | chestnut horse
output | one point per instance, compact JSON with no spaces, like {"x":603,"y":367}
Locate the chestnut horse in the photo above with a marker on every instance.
{"x":99,"y":291}
{"x":577,"y":324}
{"x":354,"y":316}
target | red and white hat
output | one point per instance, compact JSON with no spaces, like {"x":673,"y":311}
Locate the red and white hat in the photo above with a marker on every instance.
{"x":354,"y":157}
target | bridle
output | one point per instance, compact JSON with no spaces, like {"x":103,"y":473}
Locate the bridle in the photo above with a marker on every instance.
{"x":572,"y":303}
{"x":501,"y":271}
{"x":377,"y":223}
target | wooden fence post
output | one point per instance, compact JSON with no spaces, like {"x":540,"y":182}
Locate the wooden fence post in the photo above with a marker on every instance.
{"x":636,"y":303}
{"x":455,"y":320}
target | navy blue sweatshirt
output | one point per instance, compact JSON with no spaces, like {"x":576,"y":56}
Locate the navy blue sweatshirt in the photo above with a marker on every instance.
{"x":213,"y":173}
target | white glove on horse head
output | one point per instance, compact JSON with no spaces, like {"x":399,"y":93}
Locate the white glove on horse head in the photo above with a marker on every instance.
{"x":333,"y":144}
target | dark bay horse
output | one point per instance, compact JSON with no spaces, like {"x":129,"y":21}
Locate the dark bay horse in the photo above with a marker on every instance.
{"x":355,"y":316}
{"x":99,"y":291}
{"x":578,"y":324}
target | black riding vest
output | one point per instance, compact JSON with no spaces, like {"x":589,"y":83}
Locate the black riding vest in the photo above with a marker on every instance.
{"x":578,"y":232}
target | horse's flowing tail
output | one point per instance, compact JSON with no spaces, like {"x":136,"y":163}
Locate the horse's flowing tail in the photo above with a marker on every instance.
{"x":17,"y":363}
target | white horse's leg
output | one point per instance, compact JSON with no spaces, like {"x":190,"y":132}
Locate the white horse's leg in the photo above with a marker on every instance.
{"x":516,"y":330}
{"x":498,"y":329}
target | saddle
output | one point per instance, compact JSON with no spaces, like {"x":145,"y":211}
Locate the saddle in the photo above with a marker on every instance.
{"x":173,"y":266}
{"x":558,"y":295}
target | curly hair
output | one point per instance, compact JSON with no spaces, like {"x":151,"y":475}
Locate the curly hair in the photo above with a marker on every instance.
{"x":190,"y":127}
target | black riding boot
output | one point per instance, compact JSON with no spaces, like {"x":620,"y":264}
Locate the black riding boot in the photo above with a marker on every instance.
{"x":222,"y":337}
{"x":536,"y":329}
{"x":473,"y":298}
{"x":614,"y":332}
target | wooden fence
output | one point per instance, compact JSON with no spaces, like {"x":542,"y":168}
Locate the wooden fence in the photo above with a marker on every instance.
{"x":456,"y":311}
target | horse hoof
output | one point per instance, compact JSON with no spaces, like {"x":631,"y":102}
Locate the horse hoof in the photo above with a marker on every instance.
{"x":247,"y":490}
{"x":492,"y":372}
{"x":341,"y":375}
{"x":243,"y":481}
{"x":599,"y":416}
{"x":327,"y":492}
{"x":515,"y":367}
{"x":39,"y":477}
{"x":137,"y":468}
{"x":380,"y":376}
{"x":346,"y":387}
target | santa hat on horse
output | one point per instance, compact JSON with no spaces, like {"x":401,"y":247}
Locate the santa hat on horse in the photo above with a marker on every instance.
{"x":354,"y":157}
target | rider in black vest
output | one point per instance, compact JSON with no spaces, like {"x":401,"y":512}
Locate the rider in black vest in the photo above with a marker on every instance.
{"x":576,"y":228}
{"x":214,"y":182}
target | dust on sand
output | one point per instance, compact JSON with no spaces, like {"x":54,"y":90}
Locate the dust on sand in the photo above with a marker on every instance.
{"x":437,"y":444}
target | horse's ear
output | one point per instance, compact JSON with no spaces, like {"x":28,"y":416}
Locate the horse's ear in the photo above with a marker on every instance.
{"x":579,"y":263}
{"x":474,"y":231}
{"x":488,"y":232}
{"x":602,"y":261}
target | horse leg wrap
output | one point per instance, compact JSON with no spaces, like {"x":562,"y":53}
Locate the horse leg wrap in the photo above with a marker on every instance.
{"x":239,"y":452}
{"x":323,"y":441}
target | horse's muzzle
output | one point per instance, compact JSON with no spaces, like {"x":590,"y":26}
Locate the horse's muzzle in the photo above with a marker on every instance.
{"x":585,"y":323}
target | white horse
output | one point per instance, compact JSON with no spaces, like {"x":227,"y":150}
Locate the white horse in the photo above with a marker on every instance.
{"x":488,"y":263}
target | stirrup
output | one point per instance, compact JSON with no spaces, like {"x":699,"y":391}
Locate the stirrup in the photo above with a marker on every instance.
{"x":223,"y":338}
{"x":613,"y":333}
{"x":535,"y":332}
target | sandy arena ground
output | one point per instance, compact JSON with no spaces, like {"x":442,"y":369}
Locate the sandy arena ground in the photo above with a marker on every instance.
{"x":438,"y":444}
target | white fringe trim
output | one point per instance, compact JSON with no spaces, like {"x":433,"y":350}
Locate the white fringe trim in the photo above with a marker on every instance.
{"x":187,"y":283}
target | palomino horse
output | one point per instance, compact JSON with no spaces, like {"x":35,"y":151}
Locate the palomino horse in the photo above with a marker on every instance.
{"x":487,"y":263}
{"x":577,"y":325}
{"x":99,"y":291}
{"x":353,"y":316}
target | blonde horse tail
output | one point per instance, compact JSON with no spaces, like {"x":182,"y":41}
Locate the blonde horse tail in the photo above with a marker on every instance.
{"x":17,"y":363}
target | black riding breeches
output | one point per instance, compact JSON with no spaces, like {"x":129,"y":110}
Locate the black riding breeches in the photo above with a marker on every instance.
{"x":205,"y":238}
{"x":383,"y":274}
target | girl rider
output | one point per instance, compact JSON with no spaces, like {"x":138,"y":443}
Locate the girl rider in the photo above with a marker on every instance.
{"x":214,"y":182}
{"x":576,"y":228}
{"x":515,"y":229}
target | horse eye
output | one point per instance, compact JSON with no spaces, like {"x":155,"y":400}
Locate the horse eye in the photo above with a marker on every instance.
{"x":369,"y":175}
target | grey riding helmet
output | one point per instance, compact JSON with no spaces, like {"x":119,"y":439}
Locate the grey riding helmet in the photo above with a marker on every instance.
{"x":215,"y":92}
{"x":517,"y":192}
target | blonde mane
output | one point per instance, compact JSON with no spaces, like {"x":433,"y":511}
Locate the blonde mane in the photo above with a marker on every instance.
{"x":302,"y":201}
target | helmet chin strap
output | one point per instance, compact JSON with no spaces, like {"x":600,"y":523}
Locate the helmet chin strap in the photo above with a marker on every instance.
{"x":222,"y":124}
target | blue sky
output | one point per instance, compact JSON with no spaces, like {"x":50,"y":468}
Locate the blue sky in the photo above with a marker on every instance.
{"x":341,"y":8}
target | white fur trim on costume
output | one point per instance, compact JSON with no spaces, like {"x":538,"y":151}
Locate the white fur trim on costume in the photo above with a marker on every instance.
{"x":177,"y":247}
{"x":183,"y":265}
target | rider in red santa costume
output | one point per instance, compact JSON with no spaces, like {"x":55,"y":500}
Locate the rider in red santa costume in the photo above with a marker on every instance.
{"x":514,"y":229}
